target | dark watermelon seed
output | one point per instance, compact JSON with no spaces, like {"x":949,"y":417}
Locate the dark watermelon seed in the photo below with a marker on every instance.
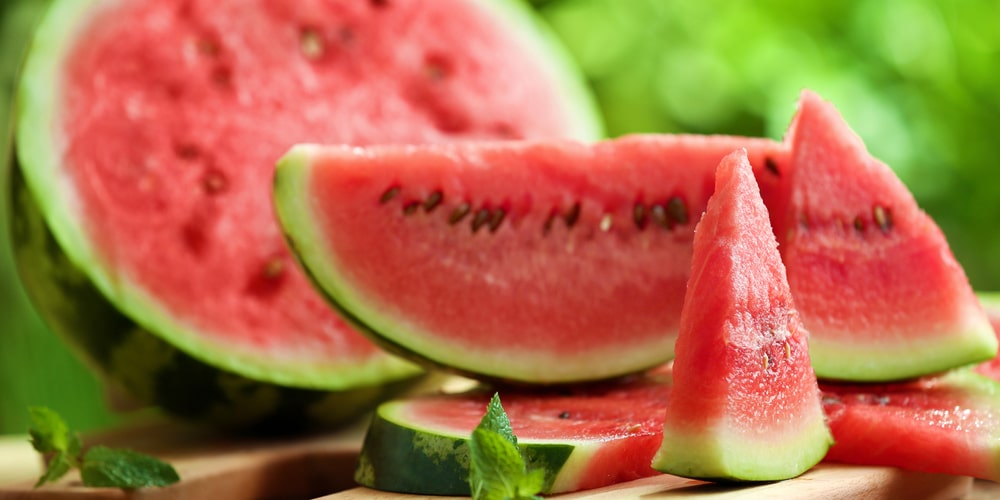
{"x":564,"y":415}
{"x":483,"y":215}
{"x":859,"y":224}
{"x":378,"y":4}
{"x":459,"y":213}
{"x":186,"y":151}
{"x":659,"y":215}
{"x":883,"y":218}
{"x":273,"y":268}
{"x":496,"y":219}
{"x":572,"y":215}
{"x":311,"y":43}
{"x":548,"y":223}
{"x":214,"y":182}
{"x":639,"y":215}
{"x":410,"y":207}
{"x":433,"y":200}
{"x":206,"y":47}
{"x":389,"y":194}
{"x":771,"y":166}
{"x":677,"y":210}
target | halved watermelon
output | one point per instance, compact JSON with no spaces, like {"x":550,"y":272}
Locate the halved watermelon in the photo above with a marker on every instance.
{"x":531,"y":261}
{"x":584,"y":437}
{"x":873,"y":277}
{"x":147,"y":133}
{"x":745,"y":405}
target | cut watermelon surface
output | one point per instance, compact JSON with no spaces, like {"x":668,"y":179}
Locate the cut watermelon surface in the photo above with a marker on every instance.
{"x":745,"y":405}
{"x":531,"y":261}
{"x":943,"y":425}
{"x":147,"y":132}
{"x":947,"y":424}
{"x":583,"y":438}
{"x":872,"y":275}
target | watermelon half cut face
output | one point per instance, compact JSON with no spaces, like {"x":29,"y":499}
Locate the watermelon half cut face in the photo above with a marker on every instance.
{"x":532,"y":261}
{"x":147,"y":132}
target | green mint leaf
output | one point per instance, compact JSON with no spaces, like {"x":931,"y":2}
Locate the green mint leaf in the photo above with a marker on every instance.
{"x":51,"y":437}
{"x":49,"y":432}
{"x":57,"y":467}
{"x":108,"y":467}
{"x":497,"y":468}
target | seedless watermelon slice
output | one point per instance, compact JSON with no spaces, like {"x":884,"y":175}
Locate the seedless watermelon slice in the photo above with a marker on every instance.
{"x":534,"y":261}
{"x":147,"y":132}
{"x":745,"y":405}
{"x":873,"y":277}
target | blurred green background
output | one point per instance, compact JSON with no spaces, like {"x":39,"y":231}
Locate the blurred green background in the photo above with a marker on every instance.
{"x":919,"y":80}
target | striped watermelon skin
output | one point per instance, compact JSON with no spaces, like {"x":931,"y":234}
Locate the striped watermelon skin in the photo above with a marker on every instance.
{"x":289,"y":362}
{"x":151,"y":370}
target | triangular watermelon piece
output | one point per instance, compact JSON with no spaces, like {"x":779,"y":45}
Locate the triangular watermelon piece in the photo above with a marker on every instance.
{"x":745,"y":403}
{"x":872,"y":274}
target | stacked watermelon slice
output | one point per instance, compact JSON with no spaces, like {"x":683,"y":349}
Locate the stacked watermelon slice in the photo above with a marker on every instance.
{"x":452,"y":212}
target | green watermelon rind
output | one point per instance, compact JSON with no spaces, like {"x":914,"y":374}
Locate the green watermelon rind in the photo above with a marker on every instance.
{"x":410,"y":341}
{"x":39,"y":145}
{"x":430,"y":459}
{"x":148,"y":368}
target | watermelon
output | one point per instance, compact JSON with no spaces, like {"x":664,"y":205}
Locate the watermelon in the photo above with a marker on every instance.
{"x":991,"y":304}
{"x":146,"y":135}
{"x":536,"y":262}
{"x":418,"y":444}
{"x":745,"y":405}
{"x":942,"y":424}
{"x":582,"y":437}
{"x":873,"y":277}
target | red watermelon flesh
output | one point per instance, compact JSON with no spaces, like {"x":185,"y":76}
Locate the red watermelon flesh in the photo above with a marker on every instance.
{"x":943,"y":424}
{"x":745,"y":404}
{"x":535,"y":261}
{"x":873,"y":277}
{"x":946,"y":424}
{"x":172,"y":115}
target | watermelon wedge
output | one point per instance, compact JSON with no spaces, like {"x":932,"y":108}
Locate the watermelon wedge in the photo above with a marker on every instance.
{"x":530,"y":261}
{"x":584,"y":437}
{"x":146,"y":136}
{"x":873,"y":277}
{"x":745,"y":405}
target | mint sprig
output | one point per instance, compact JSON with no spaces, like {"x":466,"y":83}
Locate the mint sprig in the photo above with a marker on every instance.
{"x":100,"y":466}
{"x":498,"y":470}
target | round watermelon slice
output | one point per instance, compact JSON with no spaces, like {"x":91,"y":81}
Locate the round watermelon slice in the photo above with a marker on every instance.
{"x":873,"y":276}
{"x":146,"y":136}
{"x":584,"y":437}
{"x":538,"y":262}
{"x":745,"y":404}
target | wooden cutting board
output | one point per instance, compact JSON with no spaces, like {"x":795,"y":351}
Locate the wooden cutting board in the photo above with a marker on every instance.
{"x":215,"y":467}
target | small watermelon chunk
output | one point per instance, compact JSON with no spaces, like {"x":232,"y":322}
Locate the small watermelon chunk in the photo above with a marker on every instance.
{"x":943,"y":424}
{"x":533,"y":261}
{"x":584,"y":437}
{"x":745,"y":404}
{"x":873,"y":277}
